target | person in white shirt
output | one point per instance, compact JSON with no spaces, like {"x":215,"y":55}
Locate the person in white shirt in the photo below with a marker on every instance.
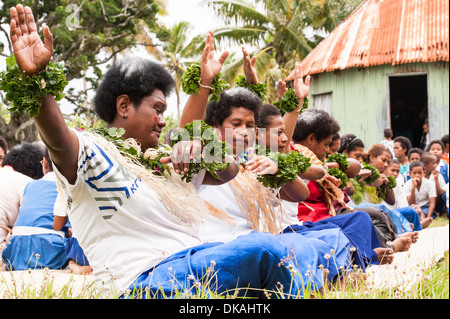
{"x":420,"y":191}
{"x":136,"y":229}
{"x":11,"y":194}
{"x":388,"y":142}
{"x":431,"y":173}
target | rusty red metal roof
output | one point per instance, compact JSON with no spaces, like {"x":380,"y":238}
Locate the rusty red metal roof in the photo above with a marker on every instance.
{"x":381,"y":32}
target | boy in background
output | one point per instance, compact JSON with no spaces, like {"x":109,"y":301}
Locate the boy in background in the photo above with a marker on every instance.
{"x":420,"y":191}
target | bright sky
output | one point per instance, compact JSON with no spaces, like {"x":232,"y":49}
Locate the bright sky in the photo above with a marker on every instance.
{"x":201,"y":18}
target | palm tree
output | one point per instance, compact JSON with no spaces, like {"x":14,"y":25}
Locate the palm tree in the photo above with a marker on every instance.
{"x":283,"y":31}
{"x":176,"y":51}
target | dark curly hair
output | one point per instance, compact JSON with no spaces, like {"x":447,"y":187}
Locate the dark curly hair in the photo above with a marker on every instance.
{"x":265,"y":113}
{"x":318,"y":122}
{"x":135,"y":77}
{"x":26,"y":159}
{"x":217,"y":112}
{"x":349,"y":142}
{"x":404,"y":142}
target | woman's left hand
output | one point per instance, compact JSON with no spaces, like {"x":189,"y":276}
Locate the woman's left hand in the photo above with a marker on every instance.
{"x":262,"y":165}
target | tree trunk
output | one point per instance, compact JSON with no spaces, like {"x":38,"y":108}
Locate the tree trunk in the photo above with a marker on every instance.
{"x":19,"y":129}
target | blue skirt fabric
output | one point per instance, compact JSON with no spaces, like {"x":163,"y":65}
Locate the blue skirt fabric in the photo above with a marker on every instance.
{"x":357,"y":228}
{"x":251,"y":265}
{"x":332,"y":246}
{"x":74,"y":251}
{"x":35,"y":252}
{"x":401,"y":223}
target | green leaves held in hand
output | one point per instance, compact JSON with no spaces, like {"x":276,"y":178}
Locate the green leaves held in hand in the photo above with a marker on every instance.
{"x":190,"y":82}
{"x":26,"y":92}
{"x":341,"y":159}
{"x":336,"y":172}
{"x":373,"y":177}
{"x":289,"y":165}
{"x":289,"y":102}
{"x":259,"y":89}
{"x":384,"y":189}
{"x":214,"y":151}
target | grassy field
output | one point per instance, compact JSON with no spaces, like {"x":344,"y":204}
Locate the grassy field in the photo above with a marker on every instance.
{"x":433,"y":284}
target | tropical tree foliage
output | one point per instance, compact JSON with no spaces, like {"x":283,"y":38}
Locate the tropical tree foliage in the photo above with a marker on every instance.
{"x":176,"y":51}
{"x":87,"y":35}
{"x":282,"y":31}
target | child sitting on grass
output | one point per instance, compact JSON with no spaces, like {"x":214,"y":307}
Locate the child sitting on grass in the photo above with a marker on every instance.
{"x":393,"y":169}
{"x":430,"y":163}
{"x":420,"y":191}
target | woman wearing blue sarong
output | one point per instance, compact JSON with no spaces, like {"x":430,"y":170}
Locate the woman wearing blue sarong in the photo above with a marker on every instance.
{"x":126,"y":219}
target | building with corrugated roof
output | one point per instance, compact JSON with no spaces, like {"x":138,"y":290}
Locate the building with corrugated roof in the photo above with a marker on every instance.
{"x":385,"y":66}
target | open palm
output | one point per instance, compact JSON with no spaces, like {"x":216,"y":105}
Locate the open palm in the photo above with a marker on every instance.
{"x":301,"y":88}
{"x":32,"y":55}
{"x":210,"y":66}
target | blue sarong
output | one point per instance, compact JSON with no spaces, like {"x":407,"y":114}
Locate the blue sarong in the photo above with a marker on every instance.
{"x":248,"y":266}
{"x":358,"y":229}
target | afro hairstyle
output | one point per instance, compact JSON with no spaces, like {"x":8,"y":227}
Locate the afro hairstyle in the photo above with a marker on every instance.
{"x":135,"y":77}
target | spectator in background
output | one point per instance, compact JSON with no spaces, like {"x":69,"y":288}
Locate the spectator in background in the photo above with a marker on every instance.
{"x":26,"y":159}
{"x":425,"y":139}
{"x":402,"y":145}
{"x":11,"y":193}
{"x":414,"y":155}
{"x":352,"y":146}
{"x":3,"y":148}
{"x":34,"y":243}
{"x":437,"y":148}
{"x":420,"y":191}
{"x":335,"y":144}
{"x":388,"y":142}
{"x":445,"y":141}
{"x":430,"y":162}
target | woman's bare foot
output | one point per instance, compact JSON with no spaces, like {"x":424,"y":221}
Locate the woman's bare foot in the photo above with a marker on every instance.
{"x":384,"y":255}
{"x":413,"y":235}
{"x":426,"y":222}
{"x":402,"y":244}
{"x":79,"y":270}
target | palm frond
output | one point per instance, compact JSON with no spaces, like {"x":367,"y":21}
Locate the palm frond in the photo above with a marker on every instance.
{"x":239,"y":11}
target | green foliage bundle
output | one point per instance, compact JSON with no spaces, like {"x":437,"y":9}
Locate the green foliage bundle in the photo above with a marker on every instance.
{"x":26,"y":92}
{"x":259,"y":89}
{"x":373,"y":177}
{"x":289,"y":102}
{"x":214,"y":151}
{"x":190,"y":82}
{"x":336,"y":172}
{"x":341,"y":159}
{"x":129,"y":147}
{"x":289,"y":165}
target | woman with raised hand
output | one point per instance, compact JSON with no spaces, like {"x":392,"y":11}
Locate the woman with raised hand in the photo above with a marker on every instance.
{"x":130,"y":222}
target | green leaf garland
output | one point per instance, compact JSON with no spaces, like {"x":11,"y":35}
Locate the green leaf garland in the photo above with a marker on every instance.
{"x":259,"y":89}
{"x":214,"y":150}
{"x":289,"y":102}
{"x":26,"y":92}
{"x":190,"y":82}
{"x":289,"y":165}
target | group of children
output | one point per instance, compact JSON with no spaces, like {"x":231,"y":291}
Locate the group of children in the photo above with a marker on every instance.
{"x":225,"y":232}
{"x":421,"y":174}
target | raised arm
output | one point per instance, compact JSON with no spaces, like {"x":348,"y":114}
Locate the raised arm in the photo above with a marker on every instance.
{"x":301,"y":90}
{"x":32,"y":56}
{"x":195,"y":107}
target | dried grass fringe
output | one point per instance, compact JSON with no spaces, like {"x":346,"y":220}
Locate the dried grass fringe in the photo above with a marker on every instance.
{"x":257,"y":203}
{"x":180,"y":198}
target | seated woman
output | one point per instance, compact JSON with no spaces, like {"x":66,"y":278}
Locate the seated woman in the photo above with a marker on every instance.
{"x":379,"y":157}
{"x":312,"y":135}
{"x":127,"y":219}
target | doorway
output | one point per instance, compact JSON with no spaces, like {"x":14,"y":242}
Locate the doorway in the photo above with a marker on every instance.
{"x":409,"y":106}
